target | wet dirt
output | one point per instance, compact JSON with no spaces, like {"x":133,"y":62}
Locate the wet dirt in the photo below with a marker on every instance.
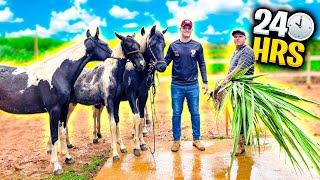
{"x":23,"y":138}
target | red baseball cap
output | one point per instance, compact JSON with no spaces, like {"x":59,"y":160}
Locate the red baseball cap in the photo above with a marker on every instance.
{"x":186,"y":22}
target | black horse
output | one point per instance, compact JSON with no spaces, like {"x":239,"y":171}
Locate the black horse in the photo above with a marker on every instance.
{"x":46,"y":87}
{"x":136,"y":85}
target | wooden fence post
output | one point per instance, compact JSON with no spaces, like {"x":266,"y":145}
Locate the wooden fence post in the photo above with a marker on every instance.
{"x":308,"y":59}
{"x":36,"y":48}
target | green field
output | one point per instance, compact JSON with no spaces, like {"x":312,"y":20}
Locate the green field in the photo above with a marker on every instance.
{"x":21,"y":49}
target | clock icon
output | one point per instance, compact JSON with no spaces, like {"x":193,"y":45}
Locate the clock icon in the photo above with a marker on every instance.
{"x":301,"y":26}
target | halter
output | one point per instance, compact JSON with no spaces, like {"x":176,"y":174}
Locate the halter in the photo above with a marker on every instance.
{"x":153,"y":63}
{"x":128,"y":53}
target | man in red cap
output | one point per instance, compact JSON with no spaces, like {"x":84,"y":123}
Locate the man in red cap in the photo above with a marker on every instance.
{"x":186,"y":55}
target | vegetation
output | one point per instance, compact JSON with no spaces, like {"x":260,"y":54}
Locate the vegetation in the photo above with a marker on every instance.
{"x":276,"y":108}
{"x":21,"y":49}
{"x":85,"y":171}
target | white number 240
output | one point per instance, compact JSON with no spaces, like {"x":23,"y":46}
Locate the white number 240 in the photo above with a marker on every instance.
{"x":281,"y":18}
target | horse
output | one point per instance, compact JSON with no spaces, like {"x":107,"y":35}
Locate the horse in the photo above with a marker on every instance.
{"x":136,"y":89}
{"x":152,"y":46}
{"x":102,"y":84}
{"x":46,"y":86}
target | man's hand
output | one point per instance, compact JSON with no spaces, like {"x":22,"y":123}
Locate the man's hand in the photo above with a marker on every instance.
{"x":227,"y":79}
{"x":205,"y":87}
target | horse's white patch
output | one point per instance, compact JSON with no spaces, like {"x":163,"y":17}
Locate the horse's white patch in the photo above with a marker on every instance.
{"x":21,"y":91}
{"x":45,"y":69}
{"x":129,"y":81}
{"x":129,"y":66}
{"x":109,"y":65}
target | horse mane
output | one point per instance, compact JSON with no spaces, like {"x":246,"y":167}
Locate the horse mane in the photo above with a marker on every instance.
{"x":143,"y":42}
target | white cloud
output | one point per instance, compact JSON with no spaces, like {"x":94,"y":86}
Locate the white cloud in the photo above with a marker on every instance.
{"x":211,"y":31}
{"x":311,"y":1}
{"x":146,"y":13}
{"x":7,"y":16}
{"x":72,"y":20}
{"x":122,"y":13}
{"x":198,"y":10}
{"x":3,"y":2}
{"x":40,"y":31}
{"x":130,"y":25}
{"x":172,"y":22}
{"x":247,"y":9}
{"x":77,"y":3}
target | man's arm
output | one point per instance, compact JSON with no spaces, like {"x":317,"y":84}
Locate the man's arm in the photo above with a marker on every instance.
{"x":169,"y":55}
{"x":246,"y":60}
{"x":203,"y":70}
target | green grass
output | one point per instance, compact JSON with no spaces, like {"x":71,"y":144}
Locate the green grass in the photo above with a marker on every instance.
{"x":94,"y":165}
{"x":21,"y":49}
{"x":84,"y":173}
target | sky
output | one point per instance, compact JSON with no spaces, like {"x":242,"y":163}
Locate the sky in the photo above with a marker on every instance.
{"x":66,"y":20}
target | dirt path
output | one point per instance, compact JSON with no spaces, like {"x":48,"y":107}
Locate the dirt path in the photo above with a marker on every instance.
{"x":23,"y":138}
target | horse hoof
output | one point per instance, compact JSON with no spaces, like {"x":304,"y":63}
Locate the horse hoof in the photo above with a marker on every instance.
{"x":145,"y":134}
{"x":115,"y":158}
{"x":69,"y":161}
{"x":49,"y":151}
{"x":123,"y":150}
{"x":99,"y":135}
{"x":95,"y":141}
{"x":148,"y":121}
{"x":136,"y":152}
{"x":70,"y":146}
{"x":57,"y":172}
{"x":143,"y":147}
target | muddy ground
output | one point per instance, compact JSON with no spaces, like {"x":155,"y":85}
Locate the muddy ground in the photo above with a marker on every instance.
{"x":24,"y":137}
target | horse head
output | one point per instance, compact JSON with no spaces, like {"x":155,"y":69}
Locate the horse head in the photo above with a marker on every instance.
{"x":96,"y":47}
{"x":131,"y":50}
{"x":155,"y":47}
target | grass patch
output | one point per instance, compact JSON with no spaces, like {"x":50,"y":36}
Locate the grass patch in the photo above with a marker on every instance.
{"x":94,"y":165}
{"x":85,"y":171}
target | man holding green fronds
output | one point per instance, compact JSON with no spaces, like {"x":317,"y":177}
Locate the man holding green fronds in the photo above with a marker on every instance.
{"x":242,"y":57}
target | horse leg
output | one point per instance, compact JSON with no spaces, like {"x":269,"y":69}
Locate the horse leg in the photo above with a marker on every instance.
{"x":142,"y":104}
{"x":136,"y":118}
{"x":54,"y":121}
{"x":49,"y":146}
{"x":71,"y":108}
{"x":63,"y":135}
{"x":113,"y":130}
{"x":98,"y":122}
{"x":123,"y":149}
{"x":147,"y":121}
{"x":95,"y":114}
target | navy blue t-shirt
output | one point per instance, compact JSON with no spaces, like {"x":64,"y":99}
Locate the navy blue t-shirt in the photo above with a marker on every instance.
{"x":186,"y":56}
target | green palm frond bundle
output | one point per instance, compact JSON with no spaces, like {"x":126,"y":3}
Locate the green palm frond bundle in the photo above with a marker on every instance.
{"x":276,"y":108}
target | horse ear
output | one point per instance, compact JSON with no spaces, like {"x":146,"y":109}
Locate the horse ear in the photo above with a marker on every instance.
{"x":165,"y":30}
{"x":119,"y":36}
{"x":153,"y":31}
{"x":97,"y":32}
{"x":88,"y":33}
{"x":133,"y":35}
{"x":143,"y":32}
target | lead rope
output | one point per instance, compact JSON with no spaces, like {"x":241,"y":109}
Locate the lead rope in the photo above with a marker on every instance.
{"x":153,"y":116}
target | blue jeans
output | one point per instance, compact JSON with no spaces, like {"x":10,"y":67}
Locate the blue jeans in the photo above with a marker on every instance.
{"x":178,"y":94}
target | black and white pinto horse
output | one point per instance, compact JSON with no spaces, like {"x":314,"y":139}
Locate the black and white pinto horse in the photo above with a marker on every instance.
{"x":103,"y":85}
{"x":46,"y":87}
{"x":136,"y":85}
